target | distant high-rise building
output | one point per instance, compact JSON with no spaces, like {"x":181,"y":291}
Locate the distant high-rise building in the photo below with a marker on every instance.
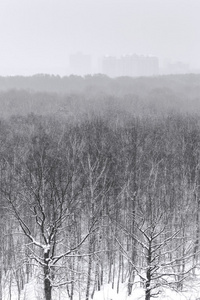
{"x":110,"y":66}
{"x":130,"y":65}
{"x":177,"y":68}
{"x":80,"y":64}
{"x":148,"y":66}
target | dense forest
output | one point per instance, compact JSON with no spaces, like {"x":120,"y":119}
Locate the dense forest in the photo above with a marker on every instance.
{"x":99,"y":183}
{"x":45,"y":94}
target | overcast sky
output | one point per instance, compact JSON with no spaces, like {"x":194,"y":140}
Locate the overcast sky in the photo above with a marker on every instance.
{"x":38,"y":35}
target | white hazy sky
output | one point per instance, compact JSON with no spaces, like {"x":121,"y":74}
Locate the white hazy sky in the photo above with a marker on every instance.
{"x":38,"y":35}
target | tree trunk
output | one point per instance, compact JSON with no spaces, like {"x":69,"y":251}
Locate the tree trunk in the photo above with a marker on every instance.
{"x":119,"y":273}
{"x":130,"y":280}
{"x":47,"y":289}
{"x":148,"y":274}
{"x":133,"y":190}
{"x":47,"y":282}
{"x":196,"y":244}
{"x":89,"y":269}
{"x":0,"y":284}
{"x":113,"y":274}
{"x":147,"y":292}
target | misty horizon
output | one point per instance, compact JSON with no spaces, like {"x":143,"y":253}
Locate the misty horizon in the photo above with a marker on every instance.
{"x":95,"y":65}
{"x":39,"y":36}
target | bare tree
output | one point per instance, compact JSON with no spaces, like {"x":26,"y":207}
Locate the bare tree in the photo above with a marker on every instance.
{"x":43,"y":191}
{"x":159,"y":265}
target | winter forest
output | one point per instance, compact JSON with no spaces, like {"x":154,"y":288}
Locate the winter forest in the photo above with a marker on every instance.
{"x":100,"y":188}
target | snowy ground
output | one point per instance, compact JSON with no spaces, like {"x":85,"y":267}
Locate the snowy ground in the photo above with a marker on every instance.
{"x":138,"y":294}
{"x":33,"y":291}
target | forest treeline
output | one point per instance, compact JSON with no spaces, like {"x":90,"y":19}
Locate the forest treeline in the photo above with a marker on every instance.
{"x":99,"y":183}
{"x":73,"y":96}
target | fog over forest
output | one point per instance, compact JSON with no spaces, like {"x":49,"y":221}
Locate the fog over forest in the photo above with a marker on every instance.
{"x":100,"y":187}
{"x":74,"y":95}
